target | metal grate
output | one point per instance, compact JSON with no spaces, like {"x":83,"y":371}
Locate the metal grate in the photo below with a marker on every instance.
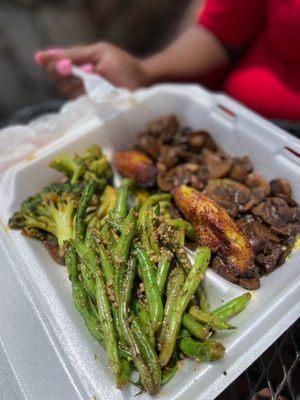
{"x":275,"y":375}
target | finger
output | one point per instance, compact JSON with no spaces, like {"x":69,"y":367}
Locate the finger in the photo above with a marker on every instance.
{"x":57,"y":69}
{"x":76,"y":92}
{"x":41,"y":57}
{"x":78,"y":54}
{"x":84,"y":54}
{"x":67,"y":86}
{"x":88,"y":68}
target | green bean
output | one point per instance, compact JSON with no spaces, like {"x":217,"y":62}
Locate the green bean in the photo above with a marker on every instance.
{"x":167,"y":375}
{"x":175,"y":284}
{"x":141,"y":365}
{"x":124,"y":375}
{"x":202,"y":351}
{"x":107,"y":325}
{"x":80,"y":226}
{"x":143,"y":315}
{"x":164,"y":204}
{"x":183,"y":333}
{"x":180,"y":236}
{"x":163,"y":270}
{"x":114,"y":224}
{"x":88,"y":280}
{"x":105,"y":231}
{"x":148,"y":351}
{"x":150,"y":202}
{"x":107,"y":269}
{"x":127,"y":235}
{"x":143,"y":216}
{"x":94,"y":326}
{"x":186,"y":265}
{"x":193,"y":280}
{"x":93,"y":307}
{"x":152,"y":232}
{"x":106,"y":264}
{"x":122,"y":251}
{"x":183,"y":258}
{"x":88,"y":257}
{"x":124,"y":352}
{"x":201,"y":295}
{"x":209,"y":319}
{"x":120,"y":210}
{"x":80,"y":296}
{"x":232,"y":307}
{"x":170,"y":370}
{"x":194,"y":327}
{"x":82,"y":303}
{"x":188,"y":227}
{"x":151,"y":289}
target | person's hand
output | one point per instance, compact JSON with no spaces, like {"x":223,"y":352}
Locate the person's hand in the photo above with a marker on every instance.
{"x":107,"y":60}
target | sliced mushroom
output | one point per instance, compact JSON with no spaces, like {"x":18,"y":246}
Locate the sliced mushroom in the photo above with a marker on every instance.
{"x":164,"y":181}
{"x":287,"y":231}
{"x":241,"y":168}
{"x":164,"y":127}
{"x":201,"y":140}
{"x":229,"y":194}
{"x":287,"y":248}
{"x":281,"y":186}
{"x":275,"y":211}
{"x":168,"y":155}
{"x":283,"y":219}
{"x":269,"y":258}
{"x":259,"y":186}
{"x":187,"y":155}
{"x":148,"y":144}
{"x":217,"y":163}
{"x":257,"y":232}
{"x":183,"y":174}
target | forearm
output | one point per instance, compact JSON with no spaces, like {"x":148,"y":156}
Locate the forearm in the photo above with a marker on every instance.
{"x":193,"y":56}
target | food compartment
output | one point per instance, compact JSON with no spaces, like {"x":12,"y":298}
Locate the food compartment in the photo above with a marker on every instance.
{"x":50,"y":281}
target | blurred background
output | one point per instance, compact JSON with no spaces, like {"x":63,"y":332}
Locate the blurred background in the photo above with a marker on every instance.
{"x":140,"y":26}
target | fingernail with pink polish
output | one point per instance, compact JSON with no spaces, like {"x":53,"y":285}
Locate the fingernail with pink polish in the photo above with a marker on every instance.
{"x":38,"y":57}
{"x":88,"y":68}
{"x":63,"y":67}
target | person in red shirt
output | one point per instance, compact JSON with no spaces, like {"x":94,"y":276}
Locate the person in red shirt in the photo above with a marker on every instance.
{"x":251,"y":48}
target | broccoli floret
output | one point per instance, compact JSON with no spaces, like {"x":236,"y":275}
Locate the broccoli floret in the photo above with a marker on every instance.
{"x":52,"y":210}
{"x":70,"y":166}
{"x":92,"y":164}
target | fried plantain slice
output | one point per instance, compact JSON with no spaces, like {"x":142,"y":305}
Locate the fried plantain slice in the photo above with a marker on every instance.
{"x":137,"y":166}
{"x":214,"y":228}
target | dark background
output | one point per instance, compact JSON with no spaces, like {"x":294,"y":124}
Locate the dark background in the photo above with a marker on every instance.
{"x":140,"y":26}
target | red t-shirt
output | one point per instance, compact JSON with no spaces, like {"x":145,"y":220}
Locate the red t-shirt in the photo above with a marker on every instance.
{"x":267,"y":76}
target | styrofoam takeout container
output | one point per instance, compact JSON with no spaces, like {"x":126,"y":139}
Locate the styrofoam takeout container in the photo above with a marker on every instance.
{"x":274,"y":306}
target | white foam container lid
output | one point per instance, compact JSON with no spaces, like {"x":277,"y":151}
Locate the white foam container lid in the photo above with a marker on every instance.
{"x":49,"y":353}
